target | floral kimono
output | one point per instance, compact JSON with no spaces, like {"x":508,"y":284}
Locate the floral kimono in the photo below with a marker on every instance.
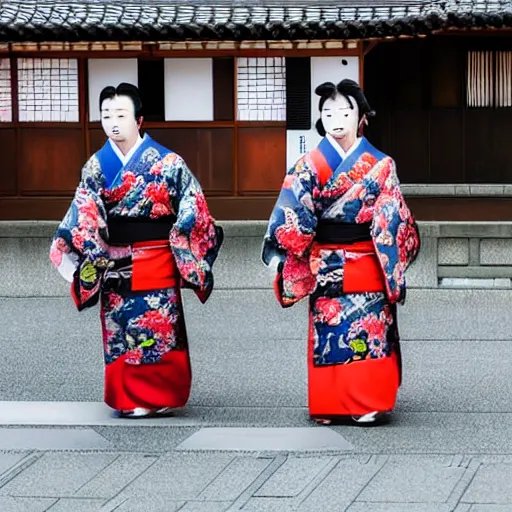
{"x":133,"y":235}
{"x":343,"y":235}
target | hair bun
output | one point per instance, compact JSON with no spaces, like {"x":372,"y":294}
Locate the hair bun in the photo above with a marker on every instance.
{"x":325,"y":89}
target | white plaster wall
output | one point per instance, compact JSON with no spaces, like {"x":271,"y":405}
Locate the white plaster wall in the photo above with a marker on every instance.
{"x":188,"y":89}
{"x":103,"y":72}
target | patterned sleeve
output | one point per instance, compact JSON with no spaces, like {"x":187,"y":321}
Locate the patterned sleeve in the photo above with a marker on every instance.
{"x":293,"y":221}
{"x":290,"y":234}
{"x":195,"y":238}
{"x":395,"y":234}
{"x":79,"y":250}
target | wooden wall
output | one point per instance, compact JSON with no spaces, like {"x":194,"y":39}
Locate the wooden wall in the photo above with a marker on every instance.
{"x":240,"y":164}
{"x":416,"y":86}
{"x":418,"y":91}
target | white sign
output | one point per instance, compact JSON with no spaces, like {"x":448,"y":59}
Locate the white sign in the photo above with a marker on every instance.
{"x":298,"y":143}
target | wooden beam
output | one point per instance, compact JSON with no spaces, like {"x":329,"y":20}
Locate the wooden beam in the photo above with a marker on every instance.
{"x":368,"y":46}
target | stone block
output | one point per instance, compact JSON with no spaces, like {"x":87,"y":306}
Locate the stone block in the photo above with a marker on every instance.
{"x":486,"y":190}
{"x":490,"y":508}
{"x":207,"y":506}
{"x":423,"y":272}
{"x":453,"y":251}
{"x":412,"y":481}
{"x":269,"y":505}
{"x":322,"y":498}
{"x":428,"y":229}
{"x":491,"y":484}
{"x":51,"y":439}
{"x":25,"y":504}
{"x":496,"y":251}
{"x":235,"y":479}
{"x":8,"y":460}
{"x":502,"y":282}
{"x":57,"y":475}
{"x":480,"y":229}
{"x":265,"y":440}
{"x":116,"y":476}
{"x":159,"y":435}
{"x":78,"y":505}
{"x":150,"y":503}
{"x":466,"y":282}
{"x":476,"y":274}
{"x":359,"y":506}
{"x":292,"y":477}
{"x":462,"y":190}
{"x":423,"y":189}
{"x":178,"y":476}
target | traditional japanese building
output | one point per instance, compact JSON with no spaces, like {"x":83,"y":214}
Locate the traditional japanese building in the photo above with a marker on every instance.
{"x":230,"y":86}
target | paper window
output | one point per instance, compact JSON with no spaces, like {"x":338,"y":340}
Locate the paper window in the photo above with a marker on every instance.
{"x":5,"y":91}
{"x":261,"y":89}
{"x":48,"y":90}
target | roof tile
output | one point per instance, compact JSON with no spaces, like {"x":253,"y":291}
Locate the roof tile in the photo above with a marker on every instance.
{"x":93,"y":20}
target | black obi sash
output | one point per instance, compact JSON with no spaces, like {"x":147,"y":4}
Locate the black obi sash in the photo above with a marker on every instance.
{"x":335,"y":232}
{"x":129,"y":230}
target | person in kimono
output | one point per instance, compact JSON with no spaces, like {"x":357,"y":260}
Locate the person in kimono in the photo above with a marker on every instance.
{"x":342,"y":234}
{"x":137,"y":230}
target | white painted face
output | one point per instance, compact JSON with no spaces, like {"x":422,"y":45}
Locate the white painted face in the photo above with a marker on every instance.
{"x":339,"y":119}
{"x":118,"y":119}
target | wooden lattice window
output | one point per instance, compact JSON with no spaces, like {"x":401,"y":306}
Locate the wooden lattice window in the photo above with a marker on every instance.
{"x":261,"y":89}
{"x":489,"y":80}
{"x":503,"y":88}
{"x":48,"y":90}
{"x":5,"y":91}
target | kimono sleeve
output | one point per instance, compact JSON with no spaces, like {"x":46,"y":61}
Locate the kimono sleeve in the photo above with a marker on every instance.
{"x":79,"y":250}
{"x":395,"y":234}
{"x":195,"y":239}
{"x":290,"y":233}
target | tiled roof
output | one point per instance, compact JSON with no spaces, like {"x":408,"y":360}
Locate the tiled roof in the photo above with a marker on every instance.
{"x":129,"y":20}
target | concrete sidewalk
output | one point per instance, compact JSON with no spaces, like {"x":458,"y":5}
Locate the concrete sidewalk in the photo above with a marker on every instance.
{"x":245,"y":441}
{"x":211,"y":482}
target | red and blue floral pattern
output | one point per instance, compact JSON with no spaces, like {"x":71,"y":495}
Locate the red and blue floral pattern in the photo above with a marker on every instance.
{"x":351,"y":327}
{"x":363,"y":188}
{"x":154,"y":183}
{"x":143,"y":327}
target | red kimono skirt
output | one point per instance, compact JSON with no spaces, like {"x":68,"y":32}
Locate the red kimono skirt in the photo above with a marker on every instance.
{"x":166,"y":382}
{"x":363,"y":386}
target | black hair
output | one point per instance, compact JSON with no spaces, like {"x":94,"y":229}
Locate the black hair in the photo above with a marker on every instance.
{"x":123,"y":89}
{"x":347,"y":88}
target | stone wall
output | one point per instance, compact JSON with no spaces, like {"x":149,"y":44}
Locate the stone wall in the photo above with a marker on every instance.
{"x":474,"y":255}
{"x":453,"y":255}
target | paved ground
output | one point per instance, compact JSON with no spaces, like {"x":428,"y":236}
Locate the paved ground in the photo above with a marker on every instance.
{"x":69,"y":482}
{"x":245,"y":441}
